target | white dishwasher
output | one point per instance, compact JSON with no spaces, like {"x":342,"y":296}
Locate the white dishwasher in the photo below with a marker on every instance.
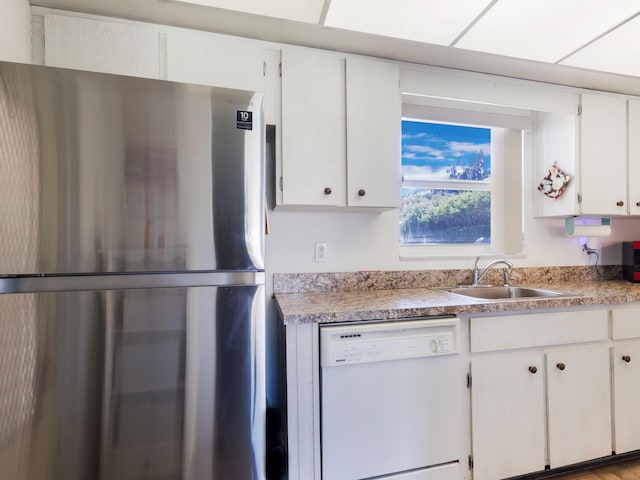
{"x":391,"y":400}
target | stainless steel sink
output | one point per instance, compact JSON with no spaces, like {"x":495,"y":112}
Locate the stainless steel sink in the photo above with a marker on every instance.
{"x":504,"y":293}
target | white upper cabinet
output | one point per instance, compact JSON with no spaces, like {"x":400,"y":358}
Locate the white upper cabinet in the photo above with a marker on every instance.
{"x":313,"y":128}
{"x":102,"y":46}
{"x":216,"y":60}
{"x":555,"y":142}
{"x":374,"y":110}
{"x":225,"y":61}
{"x":340,"y":130}
{"x":633,"y":135}
{"x":592,"y":149}
{"x":175,"y":54}
{"x":603,"y":155}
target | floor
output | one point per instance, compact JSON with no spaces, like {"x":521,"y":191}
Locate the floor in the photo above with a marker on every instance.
{"x":624,"y":469}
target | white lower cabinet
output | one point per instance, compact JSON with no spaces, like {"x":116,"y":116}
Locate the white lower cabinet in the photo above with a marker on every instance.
{"x":626,"y":396}
{"x":508,"y":421}
{"x":539,"y":399}
{"x":625,"y":367}
{"x":519,"y":407}
{"x":579,"y":404}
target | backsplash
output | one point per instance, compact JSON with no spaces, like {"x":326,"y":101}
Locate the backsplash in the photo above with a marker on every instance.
{"x":389,"y":280}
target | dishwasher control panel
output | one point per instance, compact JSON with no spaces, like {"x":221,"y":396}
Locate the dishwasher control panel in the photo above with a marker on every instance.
{"x":393,"y":340}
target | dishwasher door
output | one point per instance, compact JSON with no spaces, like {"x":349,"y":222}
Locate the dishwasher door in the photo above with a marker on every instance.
{"x":391,"y":400}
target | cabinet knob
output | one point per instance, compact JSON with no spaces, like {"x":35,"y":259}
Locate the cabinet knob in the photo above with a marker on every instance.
{"x":361,"y":192}
{"x":327,"y":191}
{"x":626,"y":358}
{"x":637,"y":204}
{"x":533,"y":369}
{"x":620,"y":203}
{"x":560,"y":366}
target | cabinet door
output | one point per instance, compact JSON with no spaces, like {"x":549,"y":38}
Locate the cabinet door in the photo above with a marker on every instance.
{"x":507,"y":416}
{"x":555,"y":140}
{"x":373,"y":133}
{"x":579,"y":405}
{"x":314,"y":167}
{"x":626,"y":395}
{"x":101,"y":46}
{"x":633,"y":136}
{"x":625,"y":323}
{"x":603,"y":155}
{"x":217,"y":60}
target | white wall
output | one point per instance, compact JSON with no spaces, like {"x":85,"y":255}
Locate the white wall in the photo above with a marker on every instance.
{"x":360,"y":241}
{"x":15,"y":31}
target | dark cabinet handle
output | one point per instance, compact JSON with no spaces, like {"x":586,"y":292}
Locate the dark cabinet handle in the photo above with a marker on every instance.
{"x":361,"y":192}
{"x":626,"y":358}
{"x":637,"y":204}
{"x":560,"y":366}
{"x":533,"y":369}
{"x":327,"y":191}
{"x":620,"y":204}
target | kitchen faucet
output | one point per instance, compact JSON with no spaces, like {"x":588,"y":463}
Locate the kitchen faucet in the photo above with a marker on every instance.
{"x":505,"y":271}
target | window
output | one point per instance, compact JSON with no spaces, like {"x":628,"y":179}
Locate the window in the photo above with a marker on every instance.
{"x":462,"y":178}
{"x":446,"y":194}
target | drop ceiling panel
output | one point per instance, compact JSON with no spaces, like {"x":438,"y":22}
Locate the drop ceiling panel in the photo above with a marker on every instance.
{"x":616,"y":52}
{"x":431,"y":21}
{"x":545,"y":30}
{"x":299,"y":10}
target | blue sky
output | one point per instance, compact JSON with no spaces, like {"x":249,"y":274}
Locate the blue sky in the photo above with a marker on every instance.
{"x":428,"y":149}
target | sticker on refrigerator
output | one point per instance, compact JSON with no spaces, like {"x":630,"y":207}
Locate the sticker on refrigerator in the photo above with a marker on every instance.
{"x":244,"y":119}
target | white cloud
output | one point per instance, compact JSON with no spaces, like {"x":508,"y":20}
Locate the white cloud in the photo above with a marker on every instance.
{"x":407,"y":136}
{"x":426,"y":151}
{"x":451,"y":150}
{"x":460,"y":148}
{"x":421,"y":173}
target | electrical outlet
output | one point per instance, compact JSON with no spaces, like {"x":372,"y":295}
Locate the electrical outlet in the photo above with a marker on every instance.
{"x":321,"y":251}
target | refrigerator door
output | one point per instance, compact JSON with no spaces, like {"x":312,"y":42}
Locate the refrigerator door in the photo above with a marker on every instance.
{"x":133,"y":384}
{"x":105,"y":173}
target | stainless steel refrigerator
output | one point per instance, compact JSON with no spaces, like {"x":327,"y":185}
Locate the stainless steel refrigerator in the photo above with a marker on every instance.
{"x":131,"y":278}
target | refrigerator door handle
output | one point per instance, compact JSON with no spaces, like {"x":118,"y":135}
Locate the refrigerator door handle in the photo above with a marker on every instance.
{"x":123,"y":281}
{"x":108,"y":312}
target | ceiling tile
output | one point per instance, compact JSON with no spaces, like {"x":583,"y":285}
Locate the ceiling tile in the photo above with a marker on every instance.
{"x":299,"y":10}
{"x":545,"y":30}
{"x":616,"y":52}
{"x":431,"y":21}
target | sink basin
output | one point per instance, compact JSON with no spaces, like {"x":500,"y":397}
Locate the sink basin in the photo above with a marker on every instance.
{"x":504,"y":293}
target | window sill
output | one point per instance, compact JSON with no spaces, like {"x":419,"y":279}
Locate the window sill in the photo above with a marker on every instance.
{"x":425,"y":255}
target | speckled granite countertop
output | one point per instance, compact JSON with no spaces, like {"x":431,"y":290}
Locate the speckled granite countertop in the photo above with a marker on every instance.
{"x":368,"y":302}
{"x":419,"y":302}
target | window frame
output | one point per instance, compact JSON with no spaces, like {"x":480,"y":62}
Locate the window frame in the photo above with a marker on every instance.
{"x":507,"y":137}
